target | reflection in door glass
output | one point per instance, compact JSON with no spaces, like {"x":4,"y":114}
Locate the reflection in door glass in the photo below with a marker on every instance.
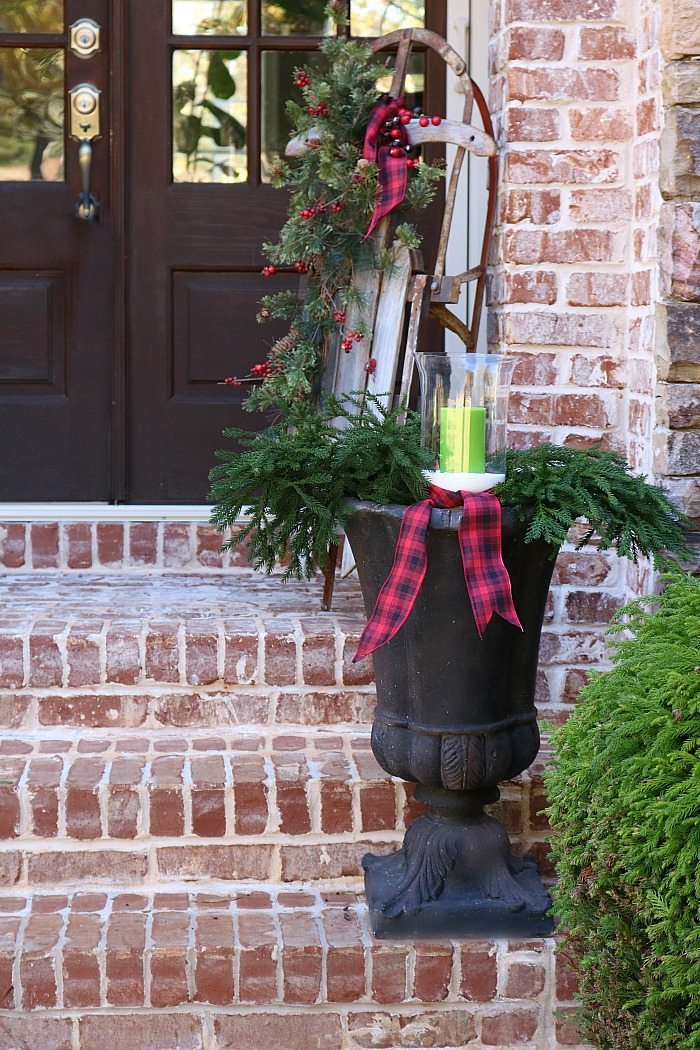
{"x":295,"y":18}
{"x":414,"y":84}
{"x":277,"y":74}
{"x":31,"y":16}
{"x":369,"y":18}
{"x":31,"y":114}
{"x":217,"y":17}
{"x":209,"y":116}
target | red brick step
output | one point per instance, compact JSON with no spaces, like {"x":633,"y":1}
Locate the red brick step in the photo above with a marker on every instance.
{"x":289,"y":805}
{"x":181,"y":651}
{"x":301,"y":964}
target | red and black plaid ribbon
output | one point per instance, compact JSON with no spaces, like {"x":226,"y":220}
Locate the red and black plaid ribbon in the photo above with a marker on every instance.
{"x":486,"y":577}
{"x":392,"y":172}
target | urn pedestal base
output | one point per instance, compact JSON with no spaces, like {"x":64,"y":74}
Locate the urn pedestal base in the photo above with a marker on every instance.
{"x":455,"y":876}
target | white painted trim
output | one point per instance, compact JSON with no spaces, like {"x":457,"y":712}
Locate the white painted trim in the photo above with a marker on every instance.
{"x":103,"y":512}
{"x":468,"y":31}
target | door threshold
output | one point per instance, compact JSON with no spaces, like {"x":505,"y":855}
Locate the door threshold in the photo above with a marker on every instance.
{"x":104,"y":512}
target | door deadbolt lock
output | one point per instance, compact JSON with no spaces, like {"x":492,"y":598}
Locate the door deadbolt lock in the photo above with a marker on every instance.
{"x":84,"y":112}
{"x":85,"y":38}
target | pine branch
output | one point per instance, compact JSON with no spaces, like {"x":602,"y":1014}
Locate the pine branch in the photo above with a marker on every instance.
{"x":551,"y":487}
{"x":294,"y":478}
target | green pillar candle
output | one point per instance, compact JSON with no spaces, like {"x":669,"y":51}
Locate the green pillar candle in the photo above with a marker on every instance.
{"x":463,"y":440}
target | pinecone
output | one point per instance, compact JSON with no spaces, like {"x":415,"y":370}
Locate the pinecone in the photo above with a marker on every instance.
{"x":285,"y":344}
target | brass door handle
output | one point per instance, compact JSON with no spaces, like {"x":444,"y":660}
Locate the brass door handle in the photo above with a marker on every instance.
{"x":87,"y":206}
{"x":85,"y":127}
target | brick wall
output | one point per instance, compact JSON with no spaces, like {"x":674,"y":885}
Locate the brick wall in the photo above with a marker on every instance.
{"x":575,"y":88}
{"x":677,"y":445}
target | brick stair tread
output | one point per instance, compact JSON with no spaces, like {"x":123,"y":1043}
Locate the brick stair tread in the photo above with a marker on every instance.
{"x":255,"y":946}
{"x":165,"y":596}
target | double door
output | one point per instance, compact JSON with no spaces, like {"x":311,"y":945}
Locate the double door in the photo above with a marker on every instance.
{"x":136,"y":145}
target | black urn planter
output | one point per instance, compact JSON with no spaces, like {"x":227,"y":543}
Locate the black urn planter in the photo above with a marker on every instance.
{"x":455,"y":715}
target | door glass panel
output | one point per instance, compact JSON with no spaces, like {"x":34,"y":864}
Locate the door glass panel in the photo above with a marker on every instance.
{"x":369,"y":18}
{"x":414,"y":84}
{"x":209,"y":116}
{"x":31,"y":16}
{"x":295,"y":18}
{"x":277,"y":75}
{"x":31,"y":114}
{"x":220,"y":17}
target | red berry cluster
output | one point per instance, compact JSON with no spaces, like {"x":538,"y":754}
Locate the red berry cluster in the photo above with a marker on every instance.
{"x":424,"y":121}
{"x":268,"y":271}
{"x":320,"y":208}
{"x":371,"y":366}
{"x":395,"y":137}
{"x":321,"y":110}
{"x":262,"y":371}
{"x":348,"y":340}
{"x":301,"y":78}
{"x":300,"y":266}
{"x":232,"y":381}
{"x":339,"y":316}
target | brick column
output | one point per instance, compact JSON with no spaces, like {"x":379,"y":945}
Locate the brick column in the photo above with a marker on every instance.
{"x":575,"y":87}
{"x":677,"y":440}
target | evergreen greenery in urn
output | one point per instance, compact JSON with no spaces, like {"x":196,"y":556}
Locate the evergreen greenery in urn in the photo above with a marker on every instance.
{"x":294,"y":480}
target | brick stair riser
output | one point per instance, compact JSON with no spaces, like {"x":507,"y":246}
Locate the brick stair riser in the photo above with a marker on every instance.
{"x":282,"y":806}
{"x":230,"y":673}
{"x":106,"y":547}
{"x":267,"y":956}
{"x":506,"y":1026}
{"x":210,"y":652}
{"x":213,"y":672}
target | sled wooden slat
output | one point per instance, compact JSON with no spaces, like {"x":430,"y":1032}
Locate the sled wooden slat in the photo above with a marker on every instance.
{"x":388,"y":325}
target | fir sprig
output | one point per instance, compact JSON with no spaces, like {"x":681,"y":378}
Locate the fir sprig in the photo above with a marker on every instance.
{"x":625,"y":809}
{"x":293,"y":479}
{"x":552,"y":486}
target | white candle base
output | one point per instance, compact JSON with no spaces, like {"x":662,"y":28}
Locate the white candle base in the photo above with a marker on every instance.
{"x":454,"y":482}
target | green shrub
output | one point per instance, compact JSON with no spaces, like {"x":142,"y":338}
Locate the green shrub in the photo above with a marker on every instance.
{"x":625,"y":809}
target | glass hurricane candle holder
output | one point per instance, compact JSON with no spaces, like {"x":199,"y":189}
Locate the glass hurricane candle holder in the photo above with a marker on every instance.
{"x":464,"y":418}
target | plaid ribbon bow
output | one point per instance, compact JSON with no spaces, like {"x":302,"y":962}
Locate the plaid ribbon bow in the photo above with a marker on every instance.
{"x":391,"y":171}
{"x":486,"y":577}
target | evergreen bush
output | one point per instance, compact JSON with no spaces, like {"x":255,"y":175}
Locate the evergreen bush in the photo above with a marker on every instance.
{"x":625,"y":808}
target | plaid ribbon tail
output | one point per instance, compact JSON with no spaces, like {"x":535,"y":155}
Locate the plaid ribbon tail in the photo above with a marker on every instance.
{"x":486,"y":577}
{"x":392,"y":186}
{"x":398,"y":593}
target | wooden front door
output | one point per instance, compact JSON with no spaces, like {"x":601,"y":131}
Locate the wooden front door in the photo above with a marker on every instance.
{"x":56,"y":270}
{"x":115,"y":334}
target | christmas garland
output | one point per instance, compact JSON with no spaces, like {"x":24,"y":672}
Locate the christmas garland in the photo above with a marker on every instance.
{"x":333,"y":190}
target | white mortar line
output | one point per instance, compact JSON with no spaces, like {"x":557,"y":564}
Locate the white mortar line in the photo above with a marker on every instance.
{"x":148,"y":951}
